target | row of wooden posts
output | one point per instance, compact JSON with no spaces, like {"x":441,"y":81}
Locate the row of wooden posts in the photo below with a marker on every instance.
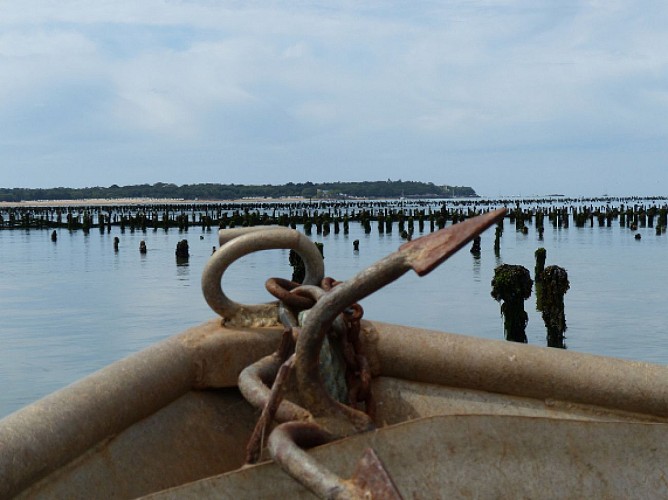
{"x":406,"y":221}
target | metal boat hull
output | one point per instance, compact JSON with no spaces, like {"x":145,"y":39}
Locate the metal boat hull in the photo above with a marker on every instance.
{"x":457,"y":416}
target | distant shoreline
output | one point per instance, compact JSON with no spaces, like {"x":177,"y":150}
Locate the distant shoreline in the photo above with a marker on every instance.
{"x":107,"y":202}
{"x":99,"y":202}
{"x":211,"y":191}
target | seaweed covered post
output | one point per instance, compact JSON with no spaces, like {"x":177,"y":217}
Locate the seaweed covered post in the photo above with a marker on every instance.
{"x":297,"y":264}
{"x":555,"y":285}
{"x":512,"y":284}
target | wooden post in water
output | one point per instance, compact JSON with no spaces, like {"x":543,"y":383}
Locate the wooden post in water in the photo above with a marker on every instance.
{"x":182,"y":251}
{"x":297,"y":264}
{"x":541,"y":255}
{"x":540,"y":217}
{"x":512,"y":285}
{"x":555,"y":285}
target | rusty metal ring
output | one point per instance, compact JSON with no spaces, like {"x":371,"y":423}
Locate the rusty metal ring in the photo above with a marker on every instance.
{"x":354,"y":312}
{"x":281,"y":288}
{"x":328,"y":283}
{"x":235,"y":243}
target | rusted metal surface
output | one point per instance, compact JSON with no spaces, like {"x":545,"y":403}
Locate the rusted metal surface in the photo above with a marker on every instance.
{"x":479,"y":456}
{"x":369,"y":480}
{"x":372,"y":480}
{"x":358,"y":371}
{"x":281,"y":288}
{"x":235,"y":243}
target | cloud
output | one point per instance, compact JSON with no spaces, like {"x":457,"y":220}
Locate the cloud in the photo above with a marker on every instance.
{"x":361,"y":88}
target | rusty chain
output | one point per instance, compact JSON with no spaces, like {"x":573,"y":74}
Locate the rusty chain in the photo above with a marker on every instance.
{"x":357,"y":372}
{"x":276,"y":370}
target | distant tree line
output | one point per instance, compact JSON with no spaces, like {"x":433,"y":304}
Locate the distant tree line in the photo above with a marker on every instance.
{"x":161,"y":190}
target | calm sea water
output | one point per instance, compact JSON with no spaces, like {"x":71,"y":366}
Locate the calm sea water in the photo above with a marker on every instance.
{"x":71,"y":307}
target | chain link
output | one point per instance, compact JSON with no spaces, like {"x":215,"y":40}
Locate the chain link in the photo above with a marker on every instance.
{"x":357,"y":371}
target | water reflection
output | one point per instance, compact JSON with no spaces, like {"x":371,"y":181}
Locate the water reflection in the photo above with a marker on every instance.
{"x":182,"y":269}
{"x":557,"y":341}
{"x":477,"y":266}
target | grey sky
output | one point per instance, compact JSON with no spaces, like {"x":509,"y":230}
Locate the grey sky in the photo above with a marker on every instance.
{"x":509,"y":97}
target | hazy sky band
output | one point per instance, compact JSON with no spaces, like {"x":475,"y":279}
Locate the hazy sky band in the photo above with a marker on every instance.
{"x":509,"y":97}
